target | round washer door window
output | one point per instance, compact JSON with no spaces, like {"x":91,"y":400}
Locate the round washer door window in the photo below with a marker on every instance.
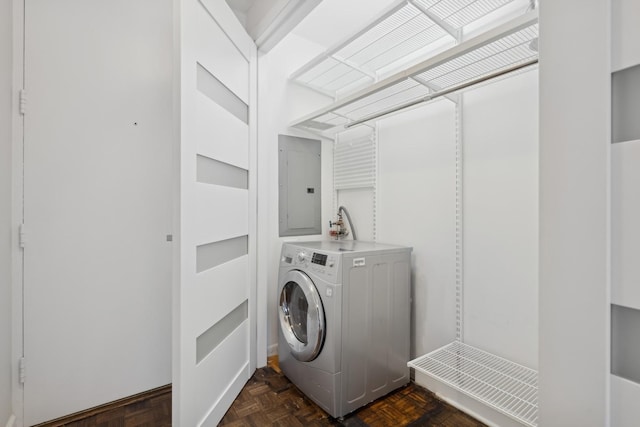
{"x":301,"y":316}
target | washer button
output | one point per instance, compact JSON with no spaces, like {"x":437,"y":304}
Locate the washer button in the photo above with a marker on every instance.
{"x":329,"y":292}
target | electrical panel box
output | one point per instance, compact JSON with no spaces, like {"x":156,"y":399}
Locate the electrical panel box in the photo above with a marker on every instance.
{"x":299,"y":185}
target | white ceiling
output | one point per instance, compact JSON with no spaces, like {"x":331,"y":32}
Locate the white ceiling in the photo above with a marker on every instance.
{"x":332,"y":21}
{"x":268,"y":21}
{"x":241,"y":6}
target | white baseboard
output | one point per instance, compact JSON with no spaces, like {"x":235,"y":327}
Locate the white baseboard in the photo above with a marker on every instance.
{"x":11,"y":421}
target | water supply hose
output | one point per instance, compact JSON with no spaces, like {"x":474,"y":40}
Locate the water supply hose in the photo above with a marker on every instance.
{"x":346,"y":213}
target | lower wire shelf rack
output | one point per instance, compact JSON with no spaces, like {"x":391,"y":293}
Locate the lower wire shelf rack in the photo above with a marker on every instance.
{"x":505,"y":386}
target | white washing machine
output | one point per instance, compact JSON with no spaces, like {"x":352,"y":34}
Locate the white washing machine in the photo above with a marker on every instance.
{"x":344,"y":314}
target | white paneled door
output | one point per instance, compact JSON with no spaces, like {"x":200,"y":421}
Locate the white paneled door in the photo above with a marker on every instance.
{"x":97,"y":202}
{"x":214,"y":290}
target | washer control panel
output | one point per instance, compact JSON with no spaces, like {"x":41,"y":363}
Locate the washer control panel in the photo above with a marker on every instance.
{"x":324,"y":264}
{"x":319,"y":259}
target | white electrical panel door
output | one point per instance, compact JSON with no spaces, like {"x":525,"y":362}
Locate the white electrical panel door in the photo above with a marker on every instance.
{"x":214,"y":326}
{"x":97,"y":203}
{"x":299,"y":165}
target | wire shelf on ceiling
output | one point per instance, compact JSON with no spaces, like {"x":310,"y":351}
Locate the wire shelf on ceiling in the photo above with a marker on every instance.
{"x":507,"y":387}
{"x":501,"y":48}
{"x":407,"y":32}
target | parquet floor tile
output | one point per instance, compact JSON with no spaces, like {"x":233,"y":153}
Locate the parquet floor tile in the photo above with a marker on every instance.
{"x":154,"y":411}
{"x":269,"y":399}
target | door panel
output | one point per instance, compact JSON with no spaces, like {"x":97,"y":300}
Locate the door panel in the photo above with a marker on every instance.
{"x":221,"y":212}
{"x":231,"y":134}
{"x":224,"y":279}
{"x":226,"y":62}
{"x":97,"y":202}
{"x":213,"y":295}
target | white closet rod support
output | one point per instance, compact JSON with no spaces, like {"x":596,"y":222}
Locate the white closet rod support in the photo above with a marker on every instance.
{"x":443,"y":92}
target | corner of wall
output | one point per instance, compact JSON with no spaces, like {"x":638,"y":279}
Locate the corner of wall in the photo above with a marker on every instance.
{"x":280,"y":102}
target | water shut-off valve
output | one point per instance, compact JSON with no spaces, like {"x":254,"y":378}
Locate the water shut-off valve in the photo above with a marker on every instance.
{"x":338,"y":230}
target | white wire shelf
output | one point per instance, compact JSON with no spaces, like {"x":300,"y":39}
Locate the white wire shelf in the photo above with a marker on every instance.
{"x":500,"y":48}
{"x":408,"y":31}
{"x":505,"y":386}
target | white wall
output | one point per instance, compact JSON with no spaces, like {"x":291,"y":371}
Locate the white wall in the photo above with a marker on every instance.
{"x":360,"y":204}
{"x":157,"y":362}
{"x":281,"y":102}
{"x":415,"y":204}
{"x":6,"y":40}
{"x":500,"y":211}
{"x":575,"y":135}
{"x":416,"y":207}
{"x":416,"y":200}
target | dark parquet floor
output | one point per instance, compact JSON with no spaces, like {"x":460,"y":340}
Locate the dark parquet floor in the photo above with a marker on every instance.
{"x":269,"y":399}
{"x":150,"y":411}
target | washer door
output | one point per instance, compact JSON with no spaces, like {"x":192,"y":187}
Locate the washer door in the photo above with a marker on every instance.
{"x":301,"y":316}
